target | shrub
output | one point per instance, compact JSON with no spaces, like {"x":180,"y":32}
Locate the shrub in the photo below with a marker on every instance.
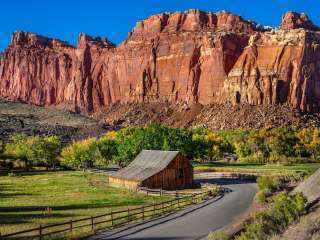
{"x":254,"y":158}
{"x":284,"y":210}
{"x":218,"y":235}
{"x":268,"y":183}
{"x":261,"y":196}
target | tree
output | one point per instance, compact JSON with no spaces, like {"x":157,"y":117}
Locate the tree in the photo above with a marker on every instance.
{"x":108,"y":149}
{"x":282,"y":141}
{"x":19,"y":147}
{"x":2,"y":147}
{"x":81,"y":154}
{"x":215,"y":144}
{"x":309,"y":141}
{"x":315,"y":143}
{"x":34,"y":150}
{"x":304,"y":146}
{"x":129,"y":142}
{"x":242,"y":149}
{"x":44,"y":150}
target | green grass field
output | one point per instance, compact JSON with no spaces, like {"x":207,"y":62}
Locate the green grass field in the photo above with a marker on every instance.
{"x":268,"y":168}
{"x":71,"y":195}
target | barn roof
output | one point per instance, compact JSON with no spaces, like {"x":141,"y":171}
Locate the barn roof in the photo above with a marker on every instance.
{"x":146,"y":164}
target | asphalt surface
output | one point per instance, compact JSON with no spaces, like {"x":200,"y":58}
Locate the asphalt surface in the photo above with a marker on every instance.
{"x":194,"y":222}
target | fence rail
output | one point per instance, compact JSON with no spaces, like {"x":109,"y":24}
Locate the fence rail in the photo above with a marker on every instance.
{"x":110,"y":220}
{"x":161,"y":192}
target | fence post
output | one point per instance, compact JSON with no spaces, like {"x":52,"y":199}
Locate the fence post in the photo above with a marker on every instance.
{"x":128,"y":215}
{"x":142,"y":212}
{"x":111,"y":219}
{"x":178,"y":203}
{"x":40,"y":232}
{"x":154,"y":210}
{"x":92,"y":224}
{"x":71,"y":226}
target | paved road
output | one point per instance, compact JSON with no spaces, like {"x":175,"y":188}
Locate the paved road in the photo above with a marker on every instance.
{"x":194,"y":222}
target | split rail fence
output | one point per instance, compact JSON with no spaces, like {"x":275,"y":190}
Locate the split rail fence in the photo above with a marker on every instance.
{"x":109,"y":220}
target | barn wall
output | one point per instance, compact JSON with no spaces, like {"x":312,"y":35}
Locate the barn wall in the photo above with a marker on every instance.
{"x":117,"y":182}
{"x":169,"y":178}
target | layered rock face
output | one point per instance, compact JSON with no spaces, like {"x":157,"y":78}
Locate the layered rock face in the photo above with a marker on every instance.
{"x":279,"y":66}
{"x":193,"y":57}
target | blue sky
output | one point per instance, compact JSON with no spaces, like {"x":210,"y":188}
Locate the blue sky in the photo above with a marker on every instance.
{"x":64,"y":19}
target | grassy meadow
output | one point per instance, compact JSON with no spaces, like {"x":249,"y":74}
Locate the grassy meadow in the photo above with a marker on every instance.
{"x":25,"y":198}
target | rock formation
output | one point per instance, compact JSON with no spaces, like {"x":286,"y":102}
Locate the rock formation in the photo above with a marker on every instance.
{"x":194,"y":56}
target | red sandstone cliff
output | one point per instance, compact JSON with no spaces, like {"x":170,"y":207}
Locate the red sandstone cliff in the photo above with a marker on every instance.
{"x":192,"y":56}
{"x":279,"y":66}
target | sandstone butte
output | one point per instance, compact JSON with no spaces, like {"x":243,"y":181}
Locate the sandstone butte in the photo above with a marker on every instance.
{"x":192,"y":57}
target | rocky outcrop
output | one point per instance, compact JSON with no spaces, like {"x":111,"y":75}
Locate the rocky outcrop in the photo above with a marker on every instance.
{"x":293,"y":20}
{"x":279,"y":66}
{"x":193,"y":57}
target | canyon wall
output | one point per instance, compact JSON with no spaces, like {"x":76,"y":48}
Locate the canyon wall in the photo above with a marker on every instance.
{"x":193,"y":57}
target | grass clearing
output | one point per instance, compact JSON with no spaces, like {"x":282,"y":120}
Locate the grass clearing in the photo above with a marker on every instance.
{"x":25,"y":198}
{"x":257,"y":168}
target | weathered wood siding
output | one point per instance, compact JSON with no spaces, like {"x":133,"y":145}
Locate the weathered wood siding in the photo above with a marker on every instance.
{"x":177,"y":175}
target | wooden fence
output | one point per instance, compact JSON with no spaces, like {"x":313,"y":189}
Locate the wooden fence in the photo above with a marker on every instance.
{"x":161,"y":192}
{"x":109,"y":220}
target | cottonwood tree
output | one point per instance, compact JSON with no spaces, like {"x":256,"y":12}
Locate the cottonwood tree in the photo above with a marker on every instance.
{"x":81,"y":154}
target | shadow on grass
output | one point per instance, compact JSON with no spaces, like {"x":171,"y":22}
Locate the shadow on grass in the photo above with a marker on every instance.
{"x":23,"y":172}
{"x":11,"y":195}
{"x":19,"y":218}
{"x":70,"y":207}
{"x":7,"y":191}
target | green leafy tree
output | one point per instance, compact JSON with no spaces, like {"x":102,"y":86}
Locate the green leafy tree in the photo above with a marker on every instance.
{"x":108,"y":150}
{"x":44,"y":150}
{"x":282,"y":141}
{"x":34,"y":150}
{"x":2,"y":147}
{"x":129,"y":142}
{"x":81,"y":154}
{"x":19,"y":147}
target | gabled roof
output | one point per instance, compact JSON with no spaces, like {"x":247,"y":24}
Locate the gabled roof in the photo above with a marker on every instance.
{"x":146,"y":164}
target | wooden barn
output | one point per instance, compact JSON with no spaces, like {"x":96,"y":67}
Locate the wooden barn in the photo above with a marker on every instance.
{"x":155,"y":169}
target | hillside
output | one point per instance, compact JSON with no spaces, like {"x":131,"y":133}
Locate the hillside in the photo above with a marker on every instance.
{"x":35,"y":120}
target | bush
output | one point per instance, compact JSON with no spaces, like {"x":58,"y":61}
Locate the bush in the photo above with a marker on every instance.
{"x":269,"y":183}
{"x":218,"y":235}
{"x":261,"y":196}
{"x":284,"y":210}
{"x":254,"y":158}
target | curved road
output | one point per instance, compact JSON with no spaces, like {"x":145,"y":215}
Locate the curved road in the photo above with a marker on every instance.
{"x":194,"y":222}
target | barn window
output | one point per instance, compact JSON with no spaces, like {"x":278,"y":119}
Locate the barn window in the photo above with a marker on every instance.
{"x":180,"y":173}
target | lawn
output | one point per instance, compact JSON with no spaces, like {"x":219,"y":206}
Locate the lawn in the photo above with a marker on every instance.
{"x":24,"y":198}
{"x":257,"y":168}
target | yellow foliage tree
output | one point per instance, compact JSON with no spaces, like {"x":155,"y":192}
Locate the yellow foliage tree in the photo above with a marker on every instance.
{"x":215,"y":142}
